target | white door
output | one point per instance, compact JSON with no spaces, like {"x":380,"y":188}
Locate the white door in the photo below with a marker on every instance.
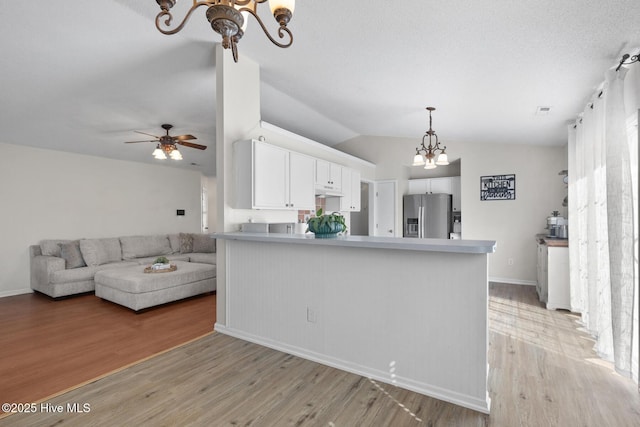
{"x":385,"y":208}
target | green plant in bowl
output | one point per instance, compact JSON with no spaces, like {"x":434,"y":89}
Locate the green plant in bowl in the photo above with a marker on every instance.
{"x":327,"y":225}
{"x":161,"y":260}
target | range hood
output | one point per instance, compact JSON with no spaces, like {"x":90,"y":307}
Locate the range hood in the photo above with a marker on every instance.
{"x":325,"y":192}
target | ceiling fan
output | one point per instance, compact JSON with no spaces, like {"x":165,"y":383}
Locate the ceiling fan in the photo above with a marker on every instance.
{"x":167,"y":144}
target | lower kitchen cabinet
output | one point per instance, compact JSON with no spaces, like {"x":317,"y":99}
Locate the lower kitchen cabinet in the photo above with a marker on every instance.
{"x":553,"y":276}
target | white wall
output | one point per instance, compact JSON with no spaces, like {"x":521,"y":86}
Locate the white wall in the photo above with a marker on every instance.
{"x":51,"y":194}
{"x":513,"y":224}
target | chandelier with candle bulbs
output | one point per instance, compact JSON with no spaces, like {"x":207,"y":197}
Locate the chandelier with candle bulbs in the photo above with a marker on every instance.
{"x":430,"y":155}
{"x":229,"y":19}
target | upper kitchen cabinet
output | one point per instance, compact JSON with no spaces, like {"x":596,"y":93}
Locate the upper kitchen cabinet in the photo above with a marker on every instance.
{"x":270,"y":177}
{"x":448,"y":185}
{"x":440,"y":185}
{"x":350,"y":200}
{"x":328,"y":177}
{"x":355,"y":191}
{"x":301,"y":181}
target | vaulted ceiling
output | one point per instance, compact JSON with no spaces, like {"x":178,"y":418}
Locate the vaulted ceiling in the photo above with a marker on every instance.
{"x":81,"y":76}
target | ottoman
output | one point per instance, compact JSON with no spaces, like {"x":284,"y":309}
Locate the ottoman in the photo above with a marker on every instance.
{"x":137,"y":290}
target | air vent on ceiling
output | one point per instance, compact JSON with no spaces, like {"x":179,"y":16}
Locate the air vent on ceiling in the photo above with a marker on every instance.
{"x":543,"y":111}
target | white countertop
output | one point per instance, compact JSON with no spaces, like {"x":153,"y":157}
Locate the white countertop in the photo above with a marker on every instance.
{"x":401,"y":243}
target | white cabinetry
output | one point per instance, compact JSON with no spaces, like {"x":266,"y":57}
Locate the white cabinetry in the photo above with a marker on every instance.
{"x":448,"y":185}
{"x":440,"y":185}
{"x":301,"y":182}
{"x":270,"y":177}
{"x":419,"y":186}
{"x":328,"y":176}
{"x":553,"y":276}
{"x":355,"y":191}
{"x":350,"y":200}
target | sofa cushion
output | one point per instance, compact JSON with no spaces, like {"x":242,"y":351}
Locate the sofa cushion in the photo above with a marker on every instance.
{"x":203,"y":258}
{"x":186,"y":243}
{"x":51,"y":247}
{"x":72,"y":255}
{"x":174,"y":240}
{"x":144,"y":246}
{"x":203,"y":243}
{"x":100,"y":251}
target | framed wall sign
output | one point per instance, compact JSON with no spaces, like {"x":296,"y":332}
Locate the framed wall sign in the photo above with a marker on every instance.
{"x":498,"y":187}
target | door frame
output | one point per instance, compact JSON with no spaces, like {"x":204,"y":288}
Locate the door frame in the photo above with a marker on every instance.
{"x":373,"y":206}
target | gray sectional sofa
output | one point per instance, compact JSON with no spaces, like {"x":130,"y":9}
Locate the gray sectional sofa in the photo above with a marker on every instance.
{"x":67,"y":267}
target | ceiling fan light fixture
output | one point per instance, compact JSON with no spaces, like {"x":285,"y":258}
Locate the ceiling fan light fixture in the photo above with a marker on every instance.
{"x":175,"y":154}
{"x":158,"y":153}
{"x":229,"y":19}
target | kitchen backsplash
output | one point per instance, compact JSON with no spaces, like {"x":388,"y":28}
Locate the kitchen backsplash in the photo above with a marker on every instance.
{"x":320,"y":204}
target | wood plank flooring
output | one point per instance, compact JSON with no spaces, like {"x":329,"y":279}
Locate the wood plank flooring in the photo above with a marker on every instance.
{"x":47,"y":346}
{"x":543,"y":372}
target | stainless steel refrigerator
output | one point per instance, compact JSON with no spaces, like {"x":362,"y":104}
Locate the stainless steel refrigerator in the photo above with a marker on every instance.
{"x":427,"y":215}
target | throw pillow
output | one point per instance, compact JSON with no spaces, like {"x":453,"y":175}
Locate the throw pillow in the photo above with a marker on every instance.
{"x":202,"y":243}
{"x":174,"y":240}
{"x":72,"y":255}
{"x":100,"y":251}
{"x":186,"y":243}
{"x":51,"y":247}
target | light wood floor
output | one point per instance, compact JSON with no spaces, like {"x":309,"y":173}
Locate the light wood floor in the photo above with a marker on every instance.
{"x":543,"y":372}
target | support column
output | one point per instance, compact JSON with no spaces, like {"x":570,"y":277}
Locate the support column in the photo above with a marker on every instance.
{"x":237,"y":112}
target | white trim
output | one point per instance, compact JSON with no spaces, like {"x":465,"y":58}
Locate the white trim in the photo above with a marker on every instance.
{"x":14,"y":292}
{"x":513,"y":281}
{"x":419,"y":387}
{"x":314,"y":144}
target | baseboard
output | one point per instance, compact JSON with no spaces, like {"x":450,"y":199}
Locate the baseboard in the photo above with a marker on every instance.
{"x":15,"y":292}
{"x":513,"y":281}
{"x":372,"y":374}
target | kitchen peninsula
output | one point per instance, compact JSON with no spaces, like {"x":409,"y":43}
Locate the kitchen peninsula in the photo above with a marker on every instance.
{"x":408,"y":312}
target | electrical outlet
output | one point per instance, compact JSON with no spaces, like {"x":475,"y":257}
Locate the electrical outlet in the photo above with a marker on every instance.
{"x":510,"y":261}
{"x":312,"y":316}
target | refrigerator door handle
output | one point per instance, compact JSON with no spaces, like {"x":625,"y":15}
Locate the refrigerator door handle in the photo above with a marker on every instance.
{"x":420,"y":223}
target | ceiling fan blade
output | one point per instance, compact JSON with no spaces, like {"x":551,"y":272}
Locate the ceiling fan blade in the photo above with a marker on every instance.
{"x":133,"y":142}
{"x":192,"y":145}
{"x":148,"y":134}
{"x":184,"y":137}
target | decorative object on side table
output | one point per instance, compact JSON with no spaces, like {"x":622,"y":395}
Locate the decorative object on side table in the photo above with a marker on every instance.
{"x":161,"y":265}
{"x":327,"y":225}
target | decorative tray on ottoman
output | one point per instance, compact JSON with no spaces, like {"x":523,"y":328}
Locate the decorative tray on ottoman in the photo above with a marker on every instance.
{"x":150,"y":269}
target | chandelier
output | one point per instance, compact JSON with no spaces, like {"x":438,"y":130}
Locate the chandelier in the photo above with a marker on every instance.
{"x":628,"y":59}
{"x":426,"y":155}
{"x":163,"y":150}
{"x":229,"y":19}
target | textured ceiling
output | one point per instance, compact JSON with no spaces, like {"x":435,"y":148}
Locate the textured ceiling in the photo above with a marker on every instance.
{"x":81,"y":77}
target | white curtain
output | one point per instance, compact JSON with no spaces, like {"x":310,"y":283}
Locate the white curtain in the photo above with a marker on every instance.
{"x":603,"y":206}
